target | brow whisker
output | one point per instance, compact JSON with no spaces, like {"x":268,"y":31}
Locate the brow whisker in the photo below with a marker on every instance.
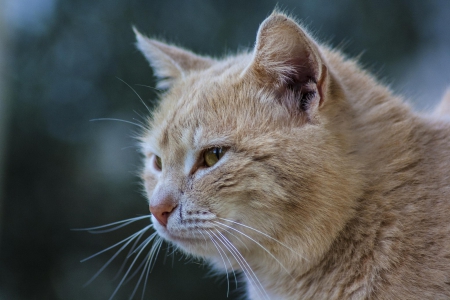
{"x":150,"y":87}
{"x":136,"y":94}
{"x":118,"y":120}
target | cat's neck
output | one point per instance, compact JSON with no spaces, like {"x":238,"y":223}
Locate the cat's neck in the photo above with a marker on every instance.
{"x":383,"y":126}
{"x":384,"y":139}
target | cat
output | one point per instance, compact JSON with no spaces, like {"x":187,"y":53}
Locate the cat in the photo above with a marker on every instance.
{"x":294,"y":166}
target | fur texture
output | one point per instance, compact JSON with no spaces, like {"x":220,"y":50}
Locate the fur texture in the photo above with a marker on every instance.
{"x":331,"y":187}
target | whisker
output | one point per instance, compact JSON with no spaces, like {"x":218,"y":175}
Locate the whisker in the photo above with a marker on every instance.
{"x":111,"y":229}
{"x":113,"y":257}
{"x":150,"y":87}
{"x":262,"y":247}
{"x":143,"y":244}
{"x":131,"y":220}
{"x":229,"y":261}
{"x":129,"y":239}
{"x":248,"y":271}
{"x":225,"y":265}
{"x":265,"y":234}
{"x":173,"y":255}
{"x":235,"y":236}
{"x":148,"y":259}
{"x":128,"y":255}
{"x":155,"y":253}
{"x":139,"y":115}
{"x":149,"y":269}
{"x":136,"y":94}
{"x":118,"y":120}
{"x":166,"y":255}
{"x":146,"y":278}
{"x":144,"y":263}
{"x":128,"y":271}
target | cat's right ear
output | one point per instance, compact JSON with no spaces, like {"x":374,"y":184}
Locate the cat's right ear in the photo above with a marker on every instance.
{"x":288,"y":61}
{"x":169,"y":62}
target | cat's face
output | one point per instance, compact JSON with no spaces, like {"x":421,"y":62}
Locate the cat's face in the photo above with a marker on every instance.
{"x":241,"y":152}
{"x":212,"y":152}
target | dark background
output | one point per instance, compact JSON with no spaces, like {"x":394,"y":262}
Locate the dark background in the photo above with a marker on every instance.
{"x":60,"y":65}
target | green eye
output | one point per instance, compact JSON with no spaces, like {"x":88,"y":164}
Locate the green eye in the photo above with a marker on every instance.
{"x":158,"y":162}
{"x":213,"y":155}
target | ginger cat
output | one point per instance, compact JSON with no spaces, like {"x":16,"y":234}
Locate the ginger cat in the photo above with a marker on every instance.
{"x":295,"y":167}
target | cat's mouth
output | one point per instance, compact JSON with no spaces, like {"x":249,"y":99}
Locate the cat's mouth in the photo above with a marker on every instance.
{"x":182,"y":233}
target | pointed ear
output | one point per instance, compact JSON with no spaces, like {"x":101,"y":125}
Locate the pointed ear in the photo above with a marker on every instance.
{"x":287,"y":59}
{"x":169,"y":62}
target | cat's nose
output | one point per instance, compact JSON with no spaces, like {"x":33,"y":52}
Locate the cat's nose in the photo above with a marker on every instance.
{"x":162,"y":212}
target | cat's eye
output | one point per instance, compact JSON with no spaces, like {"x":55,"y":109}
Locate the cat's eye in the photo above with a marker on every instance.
{"x":212,"y":155}
{"x":158,"y":162}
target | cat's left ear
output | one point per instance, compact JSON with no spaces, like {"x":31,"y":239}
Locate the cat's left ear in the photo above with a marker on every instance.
{"x":288,"y":61}
{"x":169,"y":62}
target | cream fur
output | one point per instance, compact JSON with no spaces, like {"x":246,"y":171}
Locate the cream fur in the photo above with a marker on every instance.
{"x":353,"y":184}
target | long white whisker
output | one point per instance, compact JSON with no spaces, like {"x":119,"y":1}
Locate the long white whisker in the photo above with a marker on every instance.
{"x":144,"y":263}
{"x":248,"y":271}
{"x":129,"y":239}
{"x":148,"y":259}
{"x":113,"y":257}
{"x":129,"y":254}
{"x":128,"y":271}
{"x":224,"y":264}
{"x":229,"y":261}
{"x":265,"y":234}
{"x":235,"y":236}
{"x":110,"y":229}
{"x":149,"y":269}
{"x":128,"y":221}
{"x":155,"y":253}
{"x":147,"y":266}
{"x":143,"y":244}
{"x":262,"y":247}
{"x":133,"y":251}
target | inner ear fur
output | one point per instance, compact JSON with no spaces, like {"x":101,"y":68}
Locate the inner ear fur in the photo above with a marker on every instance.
{"x":288,"y":60}
{"x":169,"y":62}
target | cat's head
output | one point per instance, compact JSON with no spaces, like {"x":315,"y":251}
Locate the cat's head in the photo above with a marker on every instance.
{"x":248,"y":149}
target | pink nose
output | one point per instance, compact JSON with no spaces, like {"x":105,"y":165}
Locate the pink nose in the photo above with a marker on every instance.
{"x":162,"y":212}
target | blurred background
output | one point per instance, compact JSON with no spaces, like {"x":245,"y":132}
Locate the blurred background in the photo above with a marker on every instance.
{"x":62,"y":64}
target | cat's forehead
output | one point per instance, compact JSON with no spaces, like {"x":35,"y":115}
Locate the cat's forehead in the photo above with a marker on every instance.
{"x":214,"y":107}
{"x":198,"y":112}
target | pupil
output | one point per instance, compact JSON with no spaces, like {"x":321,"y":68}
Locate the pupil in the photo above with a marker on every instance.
{"x":217,"y":152}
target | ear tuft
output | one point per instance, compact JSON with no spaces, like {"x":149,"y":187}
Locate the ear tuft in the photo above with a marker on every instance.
{"x":169,"y":62}
{"x":286,"y":58}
